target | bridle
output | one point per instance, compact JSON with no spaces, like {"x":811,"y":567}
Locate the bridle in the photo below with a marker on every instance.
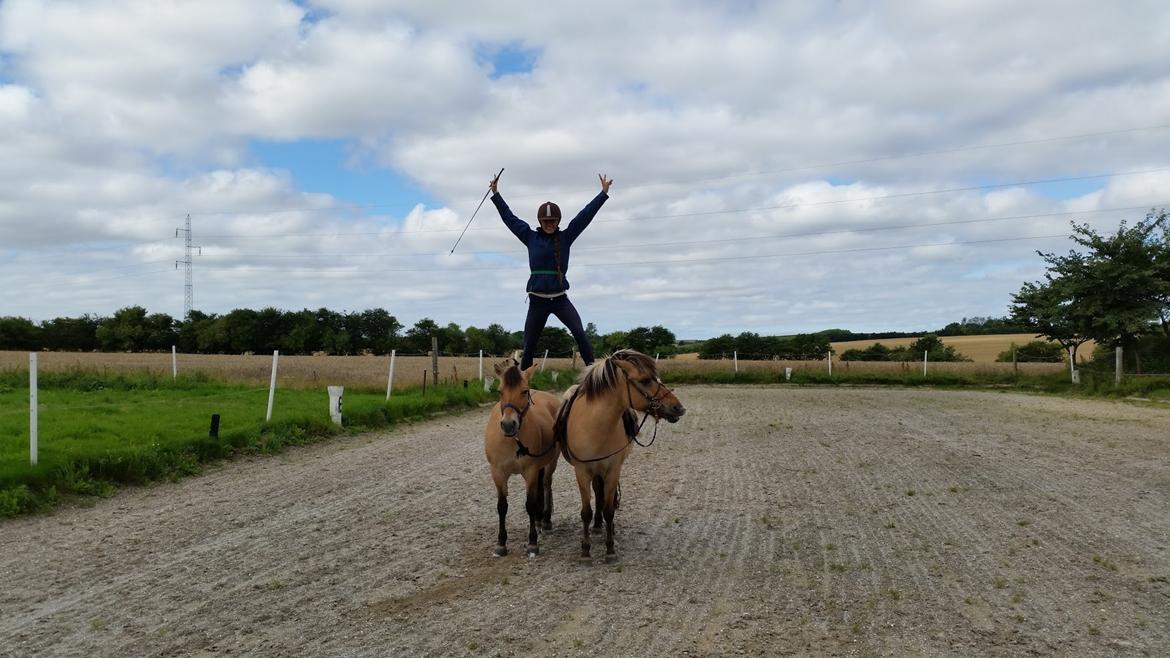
{"x":521,"y":449}
{"x":654,"y":408}
{"x":519,"y":412}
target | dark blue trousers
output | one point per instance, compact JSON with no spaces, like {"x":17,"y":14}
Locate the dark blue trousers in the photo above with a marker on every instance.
{"x":539,"y":309}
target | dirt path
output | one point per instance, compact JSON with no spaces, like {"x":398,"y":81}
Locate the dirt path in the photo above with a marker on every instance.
{"x":769,"y":521}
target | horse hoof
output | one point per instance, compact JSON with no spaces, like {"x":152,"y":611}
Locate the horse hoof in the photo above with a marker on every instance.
{"x":610,"y":558}
{"x":533,"y":550}
{"x":500,"y":551}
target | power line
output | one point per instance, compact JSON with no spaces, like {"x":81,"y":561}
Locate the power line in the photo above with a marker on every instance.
{"x":658,"y":262}
{"x":753,"y":238}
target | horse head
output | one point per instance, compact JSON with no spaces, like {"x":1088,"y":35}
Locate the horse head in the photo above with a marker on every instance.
{"x":645,"y":389}
{"x":515,"y":395}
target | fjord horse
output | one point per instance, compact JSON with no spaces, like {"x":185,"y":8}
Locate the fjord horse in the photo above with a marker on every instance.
{"x":597,"y":425}
{"x":518,"y":439}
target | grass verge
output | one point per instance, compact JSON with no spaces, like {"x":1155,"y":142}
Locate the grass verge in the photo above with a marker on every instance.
{"x":100,"y":431}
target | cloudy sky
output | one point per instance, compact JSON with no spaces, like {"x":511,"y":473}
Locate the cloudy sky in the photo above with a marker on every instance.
{"x":779,"y":167}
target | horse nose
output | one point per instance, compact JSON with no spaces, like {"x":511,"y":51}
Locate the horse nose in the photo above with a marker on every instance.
{"x":509,"y":427}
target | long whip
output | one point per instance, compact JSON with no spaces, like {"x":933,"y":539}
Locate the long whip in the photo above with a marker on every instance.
{"x":485,"y":196}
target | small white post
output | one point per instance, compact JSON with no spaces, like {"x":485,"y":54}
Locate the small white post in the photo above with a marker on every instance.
{"x":788,"y":374}
{"x":481,"y":364}
{"x":390,"y":376}
{"x":544,"y":361}
{"x":174,"y":363}
{"x":1117,"y":366}
{"x":924,"y":353}
{"x":830,"y":357}
{"x":656,"y":357}
{"x":272,"y":386}
{"x":1072,"y":366}
{"x":32,"y":408}
{"x":335,"y":393}
{"x":735,"y":360}
{"x":487,"y":384}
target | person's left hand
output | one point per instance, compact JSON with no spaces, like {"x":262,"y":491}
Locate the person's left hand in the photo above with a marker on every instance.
{"x":605,"y":183}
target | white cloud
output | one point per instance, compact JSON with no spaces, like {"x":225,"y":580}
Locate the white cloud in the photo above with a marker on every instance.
{"x":118,"y":118}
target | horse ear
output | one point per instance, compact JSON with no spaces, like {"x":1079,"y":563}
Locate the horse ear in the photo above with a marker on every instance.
{"x":528,"y":373}
{"x":500,"y":368}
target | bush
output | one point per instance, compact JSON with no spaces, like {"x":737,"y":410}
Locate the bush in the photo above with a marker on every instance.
{"x":1041,"y":351}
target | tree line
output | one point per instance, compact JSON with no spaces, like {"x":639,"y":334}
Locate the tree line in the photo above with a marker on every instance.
{"x":1113,"y":290}
{"x":372,"y":331}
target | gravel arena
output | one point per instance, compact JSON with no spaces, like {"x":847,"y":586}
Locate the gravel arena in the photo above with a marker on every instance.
{"x":768,"y":521}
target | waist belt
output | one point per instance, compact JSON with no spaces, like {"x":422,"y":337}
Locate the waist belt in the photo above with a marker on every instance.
{"x":546,"y":272}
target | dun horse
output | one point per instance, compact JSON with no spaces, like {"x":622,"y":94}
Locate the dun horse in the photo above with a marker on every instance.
{"x":519,"y":439}
{"x":597,"y":425}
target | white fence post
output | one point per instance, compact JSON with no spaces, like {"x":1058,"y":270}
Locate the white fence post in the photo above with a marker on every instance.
{"x":830,"y":356}
{"x":735,"y":360}
{"x":272,"y":386}
{"x":335,"y":393}
{"x":924,"y":353}
{"x":481,"y":364}
{"x":1072,"y":366}
{"x":390,"y":376}
{"x":1117,"y":366}
{"x":544,"y":361}
{"x":174,"y":363}
{"x":656,"y":357}
{"x":32,"y":408}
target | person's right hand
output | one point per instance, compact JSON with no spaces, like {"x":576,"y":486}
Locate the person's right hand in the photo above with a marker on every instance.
{"x":492,"y":185}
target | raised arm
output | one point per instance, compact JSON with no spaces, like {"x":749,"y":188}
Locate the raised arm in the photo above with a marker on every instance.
{"x":517,"y":226}
{"x":587,"y":213}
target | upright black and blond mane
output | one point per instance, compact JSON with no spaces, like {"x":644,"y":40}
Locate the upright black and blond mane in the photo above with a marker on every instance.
{"x":601,"y":377}
{"x":512,"y":376}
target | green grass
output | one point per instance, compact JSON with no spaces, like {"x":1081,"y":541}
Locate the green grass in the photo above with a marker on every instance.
{"x":97,"y":431}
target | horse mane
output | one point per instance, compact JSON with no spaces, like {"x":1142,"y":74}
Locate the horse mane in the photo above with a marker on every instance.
{"x":601,"y":377}
{"x":512,"y":376}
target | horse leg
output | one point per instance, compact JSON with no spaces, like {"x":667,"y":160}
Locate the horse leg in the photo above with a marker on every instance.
{"x":598,"y":496}
{"x":611,"y":486}
{"x":586,"y":516}
{"x":501,"y":481}
{"x":546,"y":517}
{"x":532,"y":504}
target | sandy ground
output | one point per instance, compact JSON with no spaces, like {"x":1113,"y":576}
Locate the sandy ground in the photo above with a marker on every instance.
{"x":769,"y":521}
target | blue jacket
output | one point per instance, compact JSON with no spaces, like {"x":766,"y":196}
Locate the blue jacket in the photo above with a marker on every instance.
{"x":542,"y":265}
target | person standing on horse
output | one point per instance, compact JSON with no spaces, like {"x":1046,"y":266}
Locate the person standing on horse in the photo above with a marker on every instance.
{"x":548,"y":261}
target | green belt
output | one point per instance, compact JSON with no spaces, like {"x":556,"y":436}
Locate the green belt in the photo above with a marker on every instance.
{"x":545,"y":272}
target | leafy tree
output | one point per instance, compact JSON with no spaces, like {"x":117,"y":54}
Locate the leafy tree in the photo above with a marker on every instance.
{"x":718,"y":347}
{"x":72,"y":334}
{"x":378,"y":331}
{"x":418,"y":338}
{"x":452,"y":340}
{"x":1121,"y":283}
{"x":559,"y":342}
{"x":125,"y":331}
{"x":19,"y":334}
{"x":1050,"y":310}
